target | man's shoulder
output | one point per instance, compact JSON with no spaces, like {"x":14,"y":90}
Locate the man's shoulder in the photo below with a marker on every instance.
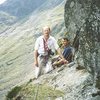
{"x":68,"y":48}
{"x":52,"y":38}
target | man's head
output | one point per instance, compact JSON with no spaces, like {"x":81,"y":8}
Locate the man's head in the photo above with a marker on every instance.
{"x":65,"y":42}
{"x":46,"y":31}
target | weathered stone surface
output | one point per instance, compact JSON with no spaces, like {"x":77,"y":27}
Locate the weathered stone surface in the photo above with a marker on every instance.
{"x":82,"y":17}
{"x":76,"y":84}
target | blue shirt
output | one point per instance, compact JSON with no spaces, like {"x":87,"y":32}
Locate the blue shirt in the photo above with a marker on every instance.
{"x":67,"y":53}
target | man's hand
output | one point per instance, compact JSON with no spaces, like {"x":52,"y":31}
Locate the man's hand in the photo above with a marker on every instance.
{"x":36,"y":63}
{"x":65,"y":61}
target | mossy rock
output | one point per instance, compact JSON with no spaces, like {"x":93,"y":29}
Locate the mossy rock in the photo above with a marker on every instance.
{"x":98,"y":83}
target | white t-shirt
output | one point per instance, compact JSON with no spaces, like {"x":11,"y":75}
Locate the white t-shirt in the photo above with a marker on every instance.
{"x":51,"y":42}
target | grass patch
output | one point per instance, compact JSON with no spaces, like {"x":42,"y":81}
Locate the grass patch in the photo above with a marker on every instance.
{"x":11,"y":94}
{"x":34,"y":92}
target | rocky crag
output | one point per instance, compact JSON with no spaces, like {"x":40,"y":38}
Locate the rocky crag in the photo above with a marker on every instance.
{"x":82,"y":19}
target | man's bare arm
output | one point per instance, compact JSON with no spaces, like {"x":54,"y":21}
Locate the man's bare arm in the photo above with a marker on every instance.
{"x":60,"y":54}
{"x":36,"y":57}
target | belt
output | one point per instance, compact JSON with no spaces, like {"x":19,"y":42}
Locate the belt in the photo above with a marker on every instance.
{"x":43,"y":55}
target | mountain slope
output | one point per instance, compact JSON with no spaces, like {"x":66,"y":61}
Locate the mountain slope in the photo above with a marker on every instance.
{"x":17,"y":44}
{"x":20,"y":8}
{"x":12,"y":11}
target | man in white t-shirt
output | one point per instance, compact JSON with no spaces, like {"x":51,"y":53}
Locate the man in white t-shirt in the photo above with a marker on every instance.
{"x":45,"y":46}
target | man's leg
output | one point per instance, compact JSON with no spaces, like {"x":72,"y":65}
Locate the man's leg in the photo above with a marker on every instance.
{"x":49,"y":66}
{"x":56,"y":63}
{"x":55,"y":58}
{"x":39,"y":69}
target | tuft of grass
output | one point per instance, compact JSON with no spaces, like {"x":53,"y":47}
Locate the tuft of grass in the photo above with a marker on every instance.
{"x":34,"y":92}
{"x":47,"y":92}
{"x":11,"y":94}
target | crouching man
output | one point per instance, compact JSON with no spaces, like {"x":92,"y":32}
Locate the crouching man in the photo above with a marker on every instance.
{"x":66,"y":52}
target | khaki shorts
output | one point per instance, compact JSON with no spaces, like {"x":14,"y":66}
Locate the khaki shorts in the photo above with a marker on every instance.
{"x":44,"y":66}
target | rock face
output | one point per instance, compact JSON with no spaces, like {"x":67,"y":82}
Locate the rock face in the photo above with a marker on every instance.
{"x":83,"y":19}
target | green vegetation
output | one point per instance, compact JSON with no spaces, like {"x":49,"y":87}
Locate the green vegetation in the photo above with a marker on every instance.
{"x":34,"y":92}
{"x":13,"y":92}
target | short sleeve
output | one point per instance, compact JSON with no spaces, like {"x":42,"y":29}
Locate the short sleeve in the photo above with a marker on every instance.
{"x":66,"y":52}
{"x":55,"y":44}
{"x":36,"y":45}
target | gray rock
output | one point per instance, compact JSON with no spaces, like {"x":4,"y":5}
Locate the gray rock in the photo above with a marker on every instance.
{"x":82,"y":19}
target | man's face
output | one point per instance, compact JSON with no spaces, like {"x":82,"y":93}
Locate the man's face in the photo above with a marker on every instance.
{"x":46,"y":31}
{"x":64,"y":42}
